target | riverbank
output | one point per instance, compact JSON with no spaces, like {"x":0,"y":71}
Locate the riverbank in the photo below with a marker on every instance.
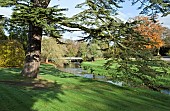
{"x":54,"y":90}
{"x":97,"y":68}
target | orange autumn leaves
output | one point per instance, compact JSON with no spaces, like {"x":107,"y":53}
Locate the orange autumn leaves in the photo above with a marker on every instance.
{"x":151,"y":30}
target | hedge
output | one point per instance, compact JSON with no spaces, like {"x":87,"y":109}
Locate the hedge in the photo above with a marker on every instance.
{"x":11,"y":53}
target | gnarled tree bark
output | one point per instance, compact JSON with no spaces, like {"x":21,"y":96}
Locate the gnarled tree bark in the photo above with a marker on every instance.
{"x":32,"y":60}
{"x":33,"y":53}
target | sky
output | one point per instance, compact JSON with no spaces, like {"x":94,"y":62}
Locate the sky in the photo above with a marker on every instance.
{"x":128,"y":11}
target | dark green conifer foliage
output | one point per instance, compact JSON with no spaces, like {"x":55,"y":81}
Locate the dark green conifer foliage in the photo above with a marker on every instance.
{"x":98,"y":21}
{"x":154,"y":7}
{"x":16,"y":32}
{"x":135,"y":61}
{"x":40,"y":19}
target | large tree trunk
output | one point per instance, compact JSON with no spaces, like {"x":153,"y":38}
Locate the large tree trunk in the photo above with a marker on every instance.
{"x":32,"y":60}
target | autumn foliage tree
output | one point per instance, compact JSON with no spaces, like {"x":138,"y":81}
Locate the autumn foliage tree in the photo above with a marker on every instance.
{"x":151,"y":30}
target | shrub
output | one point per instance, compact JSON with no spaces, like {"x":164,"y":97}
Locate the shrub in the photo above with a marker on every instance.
{"x":11,"y":53}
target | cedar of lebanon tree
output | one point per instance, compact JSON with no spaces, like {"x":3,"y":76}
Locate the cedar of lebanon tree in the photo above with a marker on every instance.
{"x":39,"y":16}
{"x":41,"y":19}
{"x":32,"y":60}
{"x":33,"y":53}
{"x":130,"y":43}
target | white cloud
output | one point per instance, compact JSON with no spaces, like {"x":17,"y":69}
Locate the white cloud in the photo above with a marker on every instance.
{"x":122,"y":16}
{"x":165,"y":21}
{"x":125,"y":16}
{"x":5,"y":11}
{"x":73,"y":35}
{"x":69,"y":4}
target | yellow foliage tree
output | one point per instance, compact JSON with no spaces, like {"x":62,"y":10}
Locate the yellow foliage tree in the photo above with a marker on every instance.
{"x":11,"y":53}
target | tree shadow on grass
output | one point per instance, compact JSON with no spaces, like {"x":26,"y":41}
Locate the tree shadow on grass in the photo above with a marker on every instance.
{"x":125,"y":98}
{"x":130,"y":99}
{"x":9,"y":73}
{"x":18,"y":93}
{"x":21,"y":94}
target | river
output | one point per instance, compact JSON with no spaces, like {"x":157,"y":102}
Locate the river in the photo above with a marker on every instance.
{"x":78,"y":71}
{"x":75,"y":68}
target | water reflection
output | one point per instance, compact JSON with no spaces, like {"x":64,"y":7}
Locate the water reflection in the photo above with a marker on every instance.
{"x":74,"y":68}
{"x":83,"y":73}
{"x":165,"y":91}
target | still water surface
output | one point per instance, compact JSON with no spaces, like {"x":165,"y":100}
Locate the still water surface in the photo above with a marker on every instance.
{"x":75,"y":69}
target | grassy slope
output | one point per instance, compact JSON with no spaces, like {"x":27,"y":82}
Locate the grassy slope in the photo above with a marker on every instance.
{"x":71,"y":93}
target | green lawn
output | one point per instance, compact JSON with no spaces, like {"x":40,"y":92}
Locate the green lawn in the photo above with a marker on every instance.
{"x":58,"y":91}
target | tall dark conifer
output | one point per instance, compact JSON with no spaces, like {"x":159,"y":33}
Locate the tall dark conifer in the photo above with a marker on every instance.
{"x":40,"y":19}
{"x":98,"y":21}
{"x":33,"y":53}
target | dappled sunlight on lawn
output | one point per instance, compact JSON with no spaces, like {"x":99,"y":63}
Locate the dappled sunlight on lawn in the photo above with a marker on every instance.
{"x":54,"y":90}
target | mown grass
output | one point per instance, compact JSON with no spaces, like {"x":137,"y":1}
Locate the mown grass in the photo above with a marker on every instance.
{"x":58,"y":91}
